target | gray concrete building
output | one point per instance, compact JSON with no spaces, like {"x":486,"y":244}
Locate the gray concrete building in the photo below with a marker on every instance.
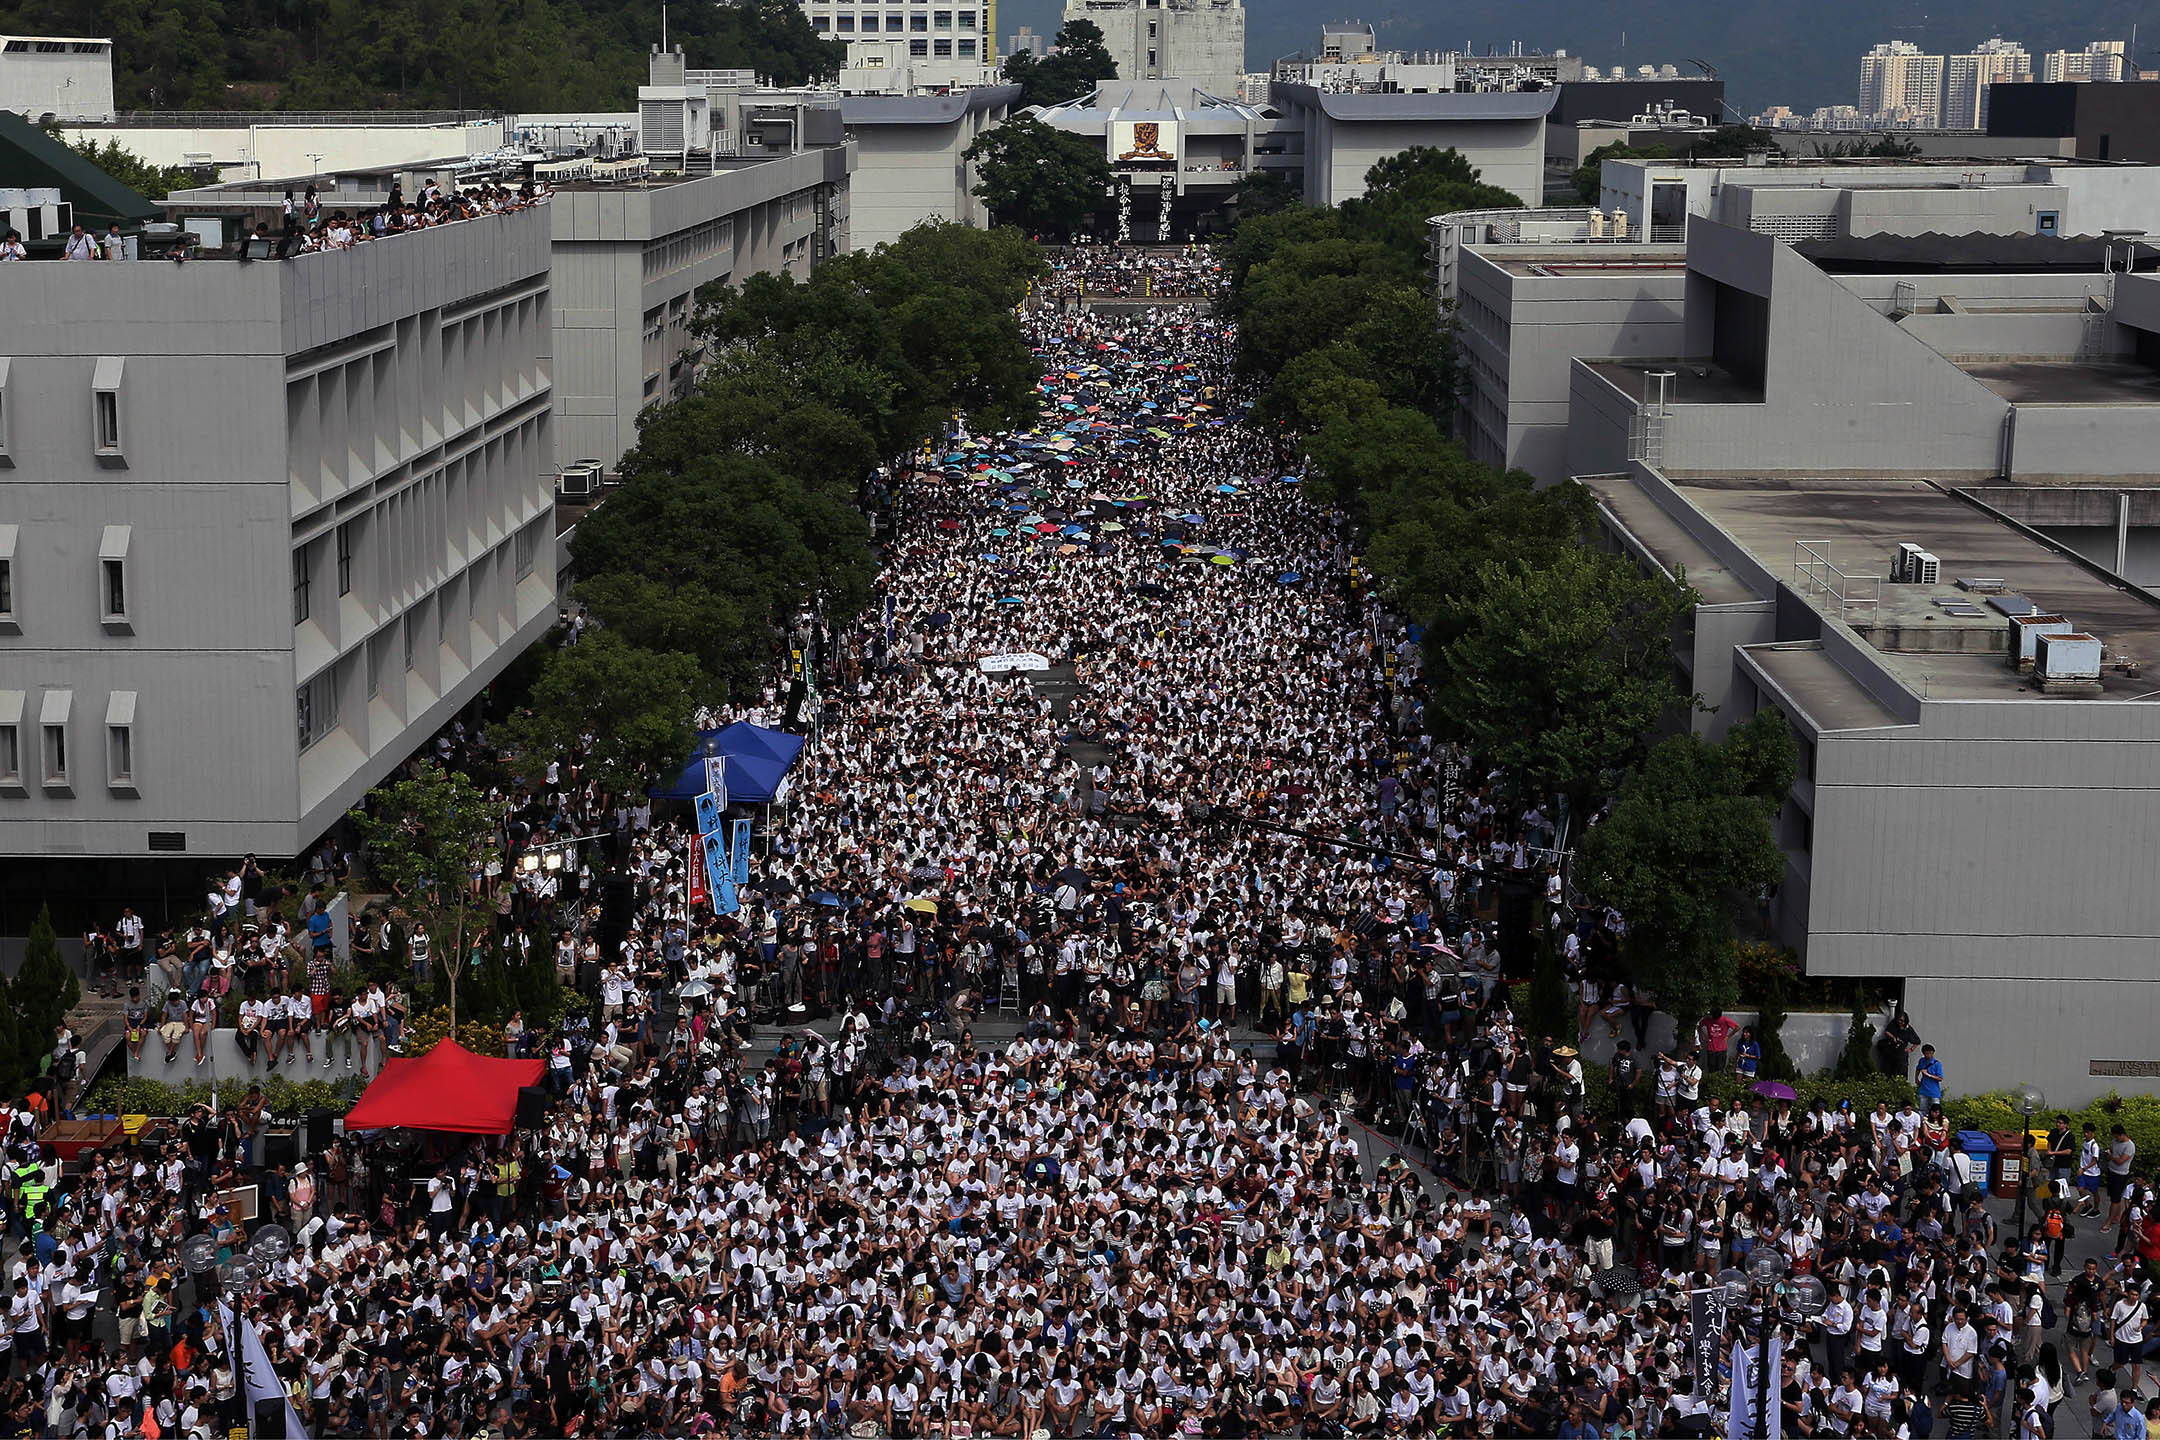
{"x":265,"y":527}
{"x":1201,"y":42}
{"x":628,"y":260}
{"x":910,"y":164}
{"x":1977,"y":807}
{"x":1344,"y":136}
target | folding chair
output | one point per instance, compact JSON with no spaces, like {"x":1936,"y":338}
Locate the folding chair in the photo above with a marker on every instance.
{"x":1008,"y":1001}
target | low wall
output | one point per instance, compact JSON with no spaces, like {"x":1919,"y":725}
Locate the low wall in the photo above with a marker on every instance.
{"x":1814,"y":1039}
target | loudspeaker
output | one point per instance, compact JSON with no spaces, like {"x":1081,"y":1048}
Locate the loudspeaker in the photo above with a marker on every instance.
{"x":1518,"y":902}
{"x":617,"y":902}
{"x":280,"y":1147}
{"x":320,"y":1130}
{"x":588,"y":977}
{"x":532,"y":1106}
{"x":270,"y":1420}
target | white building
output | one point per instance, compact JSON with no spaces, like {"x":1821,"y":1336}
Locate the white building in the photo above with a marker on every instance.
{"x":2104,"y":60}
{"x":260,"y":145}
{"x":910,"y":158}
{"x":1201,"y":42}
{"x":1967,"y":78}
{"x":58,"y":77}
{"x":267,"y":526}
{"x":1900,"y":85}
{"x":930,"y":30}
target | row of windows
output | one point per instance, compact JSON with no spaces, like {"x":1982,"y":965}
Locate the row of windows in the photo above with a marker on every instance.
{"x":113,"y":579}
{"x":55,"y":760}
{"x":919,"y":23}
{"x":922,"y":49}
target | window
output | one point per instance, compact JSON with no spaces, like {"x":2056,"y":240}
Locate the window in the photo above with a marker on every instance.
{"x":105,"y":405}
{"x":409,"y":627}
{"x":967,"y":20}
{"x":920,"y":49}
{"x":1151,"y":59}
{"x":344,"y":557}
{"x":894,"y":24}
{"x":943,"y":19}
{"x":847,"y":24}
{"x":112,"y":574}
{"x":120,"y":740}
{"x":944,"y":49}
{"x":528,"y":550}
{"x":967,"y":49}
{"x":302,"y":585}
{"x":53,"y":730}
{"x":7,"y":577}
{"x":317,"y":707}
{"x":374,"y":665}
{"x":919,"y":23}
{"x":11,"y":713}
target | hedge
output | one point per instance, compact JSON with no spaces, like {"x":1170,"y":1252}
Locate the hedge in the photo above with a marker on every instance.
{"x":2137,"y":1114}
{"x":286,"y":1099}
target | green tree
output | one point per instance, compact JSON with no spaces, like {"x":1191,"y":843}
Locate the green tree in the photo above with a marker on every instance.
{"x":1769,"y":1031}
{"x":423,"y":835}
{"x":1079,"y":62}
{"x":1687,"y":843}
{"x":1038,"y":177}
{"x":1857,"y":1060}
{"x":637,"y":706}
{"x":1563,"y":670}
{"x":1405,"y":190}
{"x":152,"y":182}
{"x":1266,"y":192}
{"x":43,"y":992}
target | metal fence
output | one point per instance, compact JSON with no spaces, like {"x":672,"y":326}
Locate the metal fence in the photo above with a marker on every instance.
{"x":237,"y":119}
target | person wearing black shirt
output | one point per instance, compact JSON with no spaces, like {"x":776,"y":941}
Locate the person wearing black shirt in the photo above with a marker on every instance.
{"x":1625,"y":1070}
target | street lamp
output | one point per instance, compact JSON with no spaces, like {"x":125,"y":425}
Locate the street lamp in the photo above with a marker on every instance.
{"x":2030,"y":1102}
{"x":1801,"y":1298}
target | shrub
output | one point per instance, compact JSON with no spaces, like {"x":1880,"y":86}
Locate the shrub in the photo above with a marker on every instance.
{"x":1858,"y":1061}
{"x":1769,"y":1025}
{"x":430,"y":1026}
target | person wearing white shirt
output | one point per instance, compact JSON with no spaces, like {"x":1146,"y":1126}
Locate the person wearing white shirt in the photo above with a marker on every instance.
{"x":1960,"y":1345}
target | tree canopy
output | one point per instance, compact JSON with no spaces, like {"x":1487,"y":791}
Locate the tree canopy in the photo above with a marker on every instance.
{"x":1037,"y":176}
{"x":152,"y":182}
{"x":1688,"y":843}
{"x":740,"y":507}
{"x":1078,"y":63}
{"x":541,"y":55}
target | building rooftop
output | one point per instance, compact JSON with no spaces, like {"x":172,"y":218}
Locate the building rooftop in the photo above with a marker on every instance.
{"x":1574,"y":260}
{"x":1917,"y":631}
{"x":1484,"y":105}
{"x":1695,"y":381}
{"x":2067,"y":382}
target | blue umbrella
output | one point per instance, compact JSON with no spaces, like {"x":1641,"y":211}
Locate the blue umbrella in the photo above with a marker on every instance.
{"x":824,"y":897}
{"x":1288,"y":577}
{"x":1226,"y":489}
{"x":1191,"y":519}
{"x":1290,"y":479}
{"x":1012,"y":600}
{"x":1075,"y":485}
{"x":1001,"y":532}
{"x":1073,"y":530}
{"x":988,"y":557}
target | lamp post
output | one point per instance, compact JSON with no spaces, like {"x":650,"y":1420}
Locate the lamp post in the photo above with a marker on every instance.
{"x":2030,"y":1102}
{"x":1764,"y":1280}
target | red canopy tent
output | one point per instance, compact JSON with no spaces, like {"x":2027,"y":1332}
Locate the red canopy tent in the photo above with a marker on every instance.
{"x":449,"y":1088}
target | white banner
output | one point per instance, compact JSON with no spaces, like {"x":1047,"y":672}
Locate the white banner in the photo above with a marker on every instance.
{"x":1747,"y":1382}
{"x":258,"y":1377}
{"x":1015,"y":660}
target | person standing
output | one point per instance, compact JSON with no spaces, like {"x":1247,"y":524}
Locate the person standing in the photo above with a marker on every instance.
{"x":1928,"y":1077}
{"x":80,"y":246}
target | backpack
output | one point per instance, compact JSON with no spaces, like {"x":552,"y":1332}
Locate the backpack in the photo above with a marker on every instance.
{"x":2048,"y":1317}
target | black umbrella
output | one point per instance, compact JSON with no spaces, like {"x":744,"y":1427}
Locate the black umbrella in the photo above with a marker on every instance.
{"x":1074,"y":876}
{"x":937,"y":621}
{"x":927,"y":872}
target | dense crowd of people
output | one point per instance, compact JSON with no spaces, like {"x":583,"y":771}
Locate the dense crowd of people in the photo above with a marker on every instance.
{"x":1126,"y":272}
{"x":1122,"y":753}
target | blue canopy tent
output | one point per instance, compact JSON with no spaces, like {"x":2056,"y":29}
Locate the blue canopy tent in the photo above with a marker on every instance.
{"x":758,"y":759}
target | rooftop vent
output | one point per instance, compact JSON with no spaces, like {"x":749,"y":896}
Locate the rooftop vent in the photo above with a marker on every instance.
{"x":2068,"y":663}
{"x":2025,"y":633}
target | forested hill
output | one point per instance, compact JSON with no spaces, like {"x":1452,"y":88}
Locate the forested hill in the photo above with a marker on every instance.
{"x":416,"y":54}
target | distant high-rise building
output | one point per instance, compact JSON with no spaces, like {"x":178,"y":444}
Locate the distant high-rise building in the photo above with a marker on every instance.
{"x":1199,"y":41}
{"x":2100,"y":60}
{"x":1966,"y":79}
{"x":1901,"y":86}
{"x":1027,"y":42}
